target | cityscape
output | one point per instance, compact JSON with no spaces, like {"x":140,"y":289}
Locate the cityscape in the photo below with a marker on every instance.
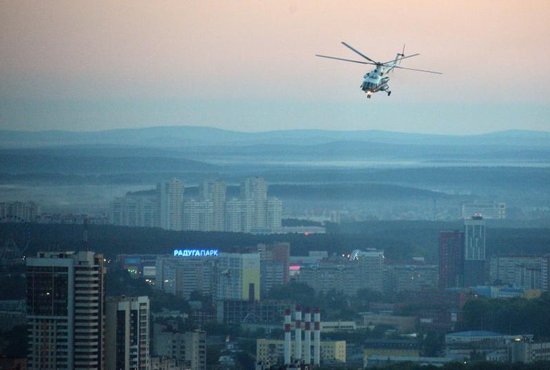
{"x":205,"y":185}
{"x":263,"y":306}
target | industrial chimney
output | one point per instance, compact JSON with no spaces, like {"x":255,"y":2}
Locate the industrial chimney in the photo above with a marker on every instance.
{"x":307,"y":337}
{"x":287,"y":343}
{"x":298,"y":330}
{"x":317,"y":338}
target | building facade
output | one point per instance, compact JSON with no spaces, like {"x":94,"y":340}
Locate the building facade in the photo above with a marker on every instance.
{"x":526,"y":272}
{"x":362,"y":270}
{"x":127,"y":327}
{"x":65,"y":300}
{"x":238,"y":276}
{"x":270,"y":352}
{"x":451,"y":259}
{"x":410,"y":277}
{"x":181,"y":276}
{"x":188,"y":349}
{"x":274,"y":265}
{"x":170,"y":204}
{"x":474,"y":251}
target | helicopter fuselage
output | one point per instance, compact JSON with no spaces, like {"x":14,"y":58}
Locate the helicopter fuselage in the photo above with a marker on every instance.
{"x":375,"y":80}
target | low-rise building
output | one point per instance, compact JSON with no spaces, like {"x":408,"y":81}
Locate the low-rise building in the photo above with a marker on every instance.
{"x":404,"y":324}
{"x":187,"y":348}
{"x":460,"y":346}
{"x":389,"y":347}
{"x":526,"y":272}
{"x":270,"y":352}
{"x":410,"y":277}
{"x":380,"y":360}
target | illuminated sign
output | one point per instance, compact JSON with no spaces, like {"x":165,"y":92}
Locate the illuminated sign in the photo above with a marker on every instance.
{"x":196,"y":252}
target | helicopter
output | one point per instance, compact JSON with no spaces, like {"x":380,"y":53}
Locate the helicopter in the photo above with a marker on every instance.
{"x":377,"y":79}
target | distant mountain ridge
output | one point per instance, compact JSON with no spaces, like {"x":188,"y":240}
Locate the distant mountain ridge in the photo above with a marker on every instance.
{"x":180,"y":137}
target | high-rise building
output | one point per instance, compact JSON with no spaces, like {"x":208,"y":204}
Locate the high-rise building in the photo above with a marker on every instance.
{"x":170,"y":204}
{"x":238,"y":276}
{"x":273,"y":265}
{"x":255,"y":190}
{"x":127,"y":333}
{"x":65,"y":300}
{"x":136,"y":209}
{"x":474,"y":251}
{"x":233,"y":216}
{"x":274,"y":214}
{"x":215,"y":192}
{"x":451,"y":259}
{"x":474,"y":238}
{"x":19,"y":211}
{"x":254,"y":211}
{"x":198,"y":215}
{"x":165,"y":207}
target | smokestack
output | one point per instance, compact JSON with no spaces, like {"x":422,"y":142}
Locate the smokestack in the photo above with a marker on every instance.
{"x":298,"y":328}
{"x":287,"y":337}
{"x":317,"y":337}
{"x":307,"y":337}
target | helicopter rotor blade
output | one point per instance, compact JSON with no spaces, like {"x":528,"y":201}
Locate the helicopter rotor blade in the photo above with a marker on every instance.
{"x":358,"y":52}
{"x":404,"y":57}
{"x":343,"y":59}
{"x":419,"y":70}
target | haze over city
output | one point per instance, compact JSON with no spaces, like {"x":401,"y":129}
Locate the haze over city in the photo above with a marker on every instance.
{"x":250,"y":65}
{"x":188,"y":185}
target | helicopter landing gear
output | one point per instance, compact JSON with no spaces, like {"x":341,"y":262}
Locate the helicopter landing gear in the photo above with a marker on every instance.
{"x":368,"y":96}
{"x":389,"y":93}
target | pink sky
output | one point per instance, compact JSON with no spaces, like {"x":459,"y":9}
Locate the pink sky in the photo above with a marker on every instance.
{"x":489,"y":52}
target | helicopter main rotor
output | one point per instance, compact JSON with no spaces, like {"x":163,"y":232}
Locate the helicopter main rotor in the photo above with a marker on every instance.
{"x":378,"y":64}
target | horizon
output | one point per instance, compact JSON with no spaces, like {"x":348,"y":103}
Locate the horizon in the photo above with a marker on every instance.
{"x":84,"y":131}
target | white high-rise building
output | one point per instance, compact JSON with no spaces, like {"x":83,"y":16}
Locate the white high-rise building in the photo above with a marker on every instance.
{"x":255,"y":190}
{"x":215,"y":192}
{"x":136,"y":209}
{"x":127,"y":328}
{"x":274,"y":214}
{"x":474,"y":235}
{"x":233,"y":215}
{"x":166,"y":208}
{"x":65,"y":296}
{"x":170,"y":204}
{"x":198,"y":215}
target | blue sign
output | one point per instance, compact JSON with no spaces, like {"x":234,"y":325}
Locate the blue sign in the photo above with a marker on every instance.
{"x":196,"y":252}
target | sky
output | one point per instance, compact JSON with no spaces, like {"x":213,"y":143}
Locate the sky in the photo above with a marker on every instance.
{"x":251,"y":65}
